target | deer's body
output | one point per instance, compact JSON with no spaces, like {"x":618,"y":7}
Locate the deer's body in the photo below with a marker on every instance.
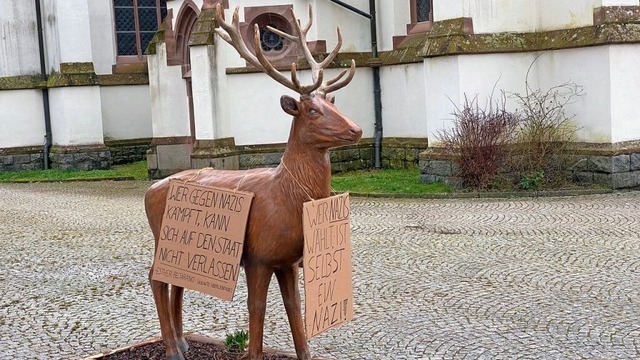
{"x":273,"y":240}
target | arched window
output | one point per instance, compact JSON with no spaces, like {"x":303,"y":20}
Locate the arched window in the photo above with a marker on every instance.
{"x":187,"y":17}
{"x":136,"y":22}
{"x":277,"y":49}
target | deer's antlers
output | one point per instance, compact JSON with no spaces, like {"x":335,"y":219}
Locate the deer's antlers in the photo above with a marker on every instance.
{"x":231,"y":34}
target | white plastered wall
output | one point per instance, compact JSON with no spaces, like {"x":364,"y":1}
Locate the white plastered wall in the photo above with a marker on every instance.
{"x":404,"y":111}
{"x":255,"y":115}
{"x":103,"y":40}
{"x":206,"y":104}
{"x":392,"y":20}
{"x":126,"y":113}
{"x":247,"y":106}
{"x":169,"y":103}
{"x":590,"y":69}
{"x":625,"y":87}
{"x":451,"y":79}
{"x":491,"y":16}
{"x":21,"y":118}
{"x":74,"y":30}
{"x":605,"y":113}
{"x":18,"y":39}
{"x":76,"y":116}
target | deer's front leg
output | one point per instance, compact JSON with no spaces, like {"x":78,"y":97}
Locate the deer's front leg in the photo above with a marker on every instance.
{"x":288,"y":281}
{"x":258,"y":278}
{"x":161,"y":298}
{"x":177,"y":295}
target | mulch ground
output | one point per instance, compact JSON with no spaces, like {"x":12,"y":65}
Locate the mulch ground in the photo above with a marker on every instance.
{"x":199,"y":348}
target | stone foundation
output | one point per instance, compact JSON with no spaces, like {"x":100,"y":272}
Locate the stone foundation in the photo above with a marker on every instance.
{"x":128,"y":151}
{"x":80,"y":157}
{"x":616,"y":167}
{"x":22,"y":158}
{"x":168,"y":156}
{"x":224,"y":154}
{"x":94,"y":157}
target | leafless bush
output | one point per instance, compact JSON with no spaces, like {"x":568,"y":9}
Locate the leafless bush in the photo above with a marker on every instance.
{"x":546,"y":133}
{"x":477,"y":141}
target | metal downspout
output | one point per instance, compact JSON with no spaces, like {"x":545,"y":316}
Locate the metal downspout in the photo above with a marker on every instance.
{"x":45,"y":89}
{"x":377,"y":89}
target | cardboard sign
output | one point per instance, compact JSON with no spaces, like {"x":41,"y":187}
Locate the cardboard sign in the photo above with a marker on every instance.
{"x":201,"y":238}
{"x":327,"y":264}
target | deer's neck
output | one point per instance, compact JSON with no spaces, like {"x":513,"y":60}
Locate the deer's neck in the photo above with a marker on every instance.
{"x":307,"y":172}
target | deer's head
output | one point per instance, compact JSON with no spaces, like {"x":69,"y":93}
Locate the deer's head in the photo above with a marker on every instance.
{"x":317,"y":121}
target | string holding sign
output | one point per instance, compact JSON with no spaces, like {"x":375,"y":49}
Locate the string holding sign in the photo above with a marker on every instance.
{"x":327,"y":264}
{"x":201,"y":238}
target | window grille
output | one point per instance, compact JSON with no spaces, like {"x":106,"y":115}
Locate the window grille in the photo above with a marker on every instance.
{"x":136,"y":22}
{"x":423,"y":9}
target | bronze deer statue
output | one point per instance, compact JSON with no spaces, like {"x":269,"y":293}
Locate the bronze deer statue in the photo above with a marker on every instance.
{"x":273,"y":239}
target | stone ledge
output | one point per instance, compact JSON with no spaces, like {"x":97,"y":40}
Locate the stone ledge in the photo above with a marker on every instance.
{"x":613,"y":25}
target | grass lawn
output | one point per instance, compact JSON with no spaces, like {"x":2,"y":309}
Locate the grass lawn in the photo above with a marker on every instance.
{"x":137,"y":171}
{"x":364,"y":181}
{"x":406,"y":181}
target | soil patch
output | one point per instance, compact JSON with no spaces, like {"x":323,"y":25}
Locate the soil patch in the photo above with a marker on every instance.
{"x":200,"y":347}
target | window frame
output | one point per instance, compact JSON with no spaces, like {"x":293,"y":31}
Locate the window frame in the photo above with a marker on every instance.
{"x":416,"y":26}
{"x":140,"y":57}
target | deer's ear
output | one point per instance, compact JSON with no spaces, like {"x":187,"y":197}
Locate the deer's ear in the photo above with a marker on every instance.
{"x":289,"y":105}
{"x":331,"y":98}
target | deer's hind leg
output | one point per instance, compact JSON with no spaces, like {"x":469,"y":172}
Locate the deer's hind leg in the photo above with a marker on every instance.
{"x":161,"y":298}
{"x":177,"y":295}
{"x":288,"y":281}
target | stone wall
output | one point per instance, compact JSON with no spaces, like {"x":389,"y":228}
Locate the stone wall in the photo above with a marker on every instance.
{"x":618,"y":170}
{"x":80,"y":158}
{"x":615,"y":168}
{"x":24,"y":158}
{"x":224,"y":154}
{"x":128,"y":151}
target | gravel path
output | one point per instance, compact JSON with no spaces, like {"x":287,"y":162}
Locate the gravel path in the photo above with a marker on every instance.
{"x":527,"y":278}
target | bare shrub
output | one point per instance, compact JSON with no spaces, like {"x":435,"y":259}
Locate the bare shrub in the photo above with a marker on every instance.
{"x":546,"y":133}
{"x":477,"y":141}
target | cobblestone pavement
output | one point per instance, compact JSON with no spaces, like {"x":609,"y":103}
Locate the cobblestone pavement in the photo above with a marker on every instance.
{"x":545,"y":278}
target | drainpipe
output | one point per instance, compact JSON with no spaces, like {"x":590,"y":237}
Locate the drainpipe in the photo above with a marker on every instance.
{"x":45,"y":90}
{"x":377,"y":91}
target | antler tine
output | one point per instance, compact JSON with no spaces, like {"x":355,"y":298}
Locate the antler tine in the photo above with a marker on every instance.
{"x":233,"y":36}
{"x":334,"y":52}
{"x":306,"y":28}
{"x":333,"y":84}
{"x":335,"y":79}
{"x":268,"y":68}
{"x":302,"y":41}
{"x":283,"y":34}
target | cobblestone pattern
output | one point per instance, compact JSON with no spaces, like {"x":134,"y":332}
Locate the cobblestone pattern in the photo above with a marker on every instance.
{"x":549,"y":278}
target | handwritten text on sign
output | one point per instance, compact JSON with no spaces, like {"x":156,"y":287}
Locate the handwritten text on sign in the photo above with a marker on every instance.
{"x":327,"y":264}
{"x":201,"y":238}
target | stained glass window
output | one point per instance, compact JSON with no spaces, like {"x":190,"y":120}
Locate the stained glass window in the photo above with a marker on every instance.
{"x":269,"y":40}
{"x":136,"y":22}
{"x":423,"y":8}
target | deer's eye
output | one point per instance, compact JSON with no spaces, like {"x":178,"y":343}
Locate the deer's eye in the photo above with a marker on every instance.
{"x":313,"y":112}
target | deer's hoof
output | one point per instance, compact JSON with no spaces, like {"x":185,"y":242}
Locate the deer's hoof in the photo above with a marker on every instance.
{"x":183,"y":346}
